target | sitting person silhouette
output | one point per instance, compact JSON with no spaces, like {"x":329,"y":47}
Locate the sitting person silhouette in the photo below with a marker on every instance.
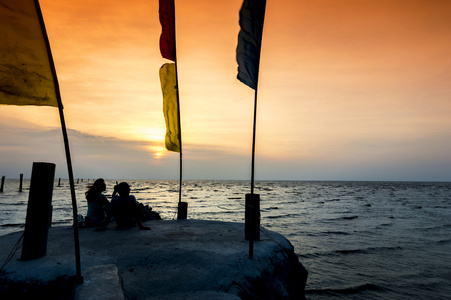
{"x":98,"y":204}
{"x":124,"y":208}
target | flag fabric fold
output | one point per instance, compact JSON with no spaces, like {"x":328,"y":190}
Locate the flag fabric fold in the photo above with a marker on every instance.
{"x":252,"y":16}
{"x":26,"y":76}
{"x":170,"y":106}
{"x":167,"y":38}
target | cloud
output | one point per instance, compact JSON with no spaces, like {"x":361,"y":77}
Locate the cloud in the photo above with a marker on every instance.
{"x":112,"y":158}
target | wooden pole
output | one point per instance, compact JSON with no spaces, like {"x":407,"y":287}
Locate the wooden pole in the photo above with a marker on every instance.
{"x":39,"y":206}
{"x":3,"y":183}
{"x":79,"y":278}
{"x":20,"y":184}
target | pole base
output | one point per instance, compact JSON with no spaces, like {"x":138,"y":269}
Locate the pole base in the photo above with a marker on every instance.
{"x":252,"y":217}
{"x":182,"y":211}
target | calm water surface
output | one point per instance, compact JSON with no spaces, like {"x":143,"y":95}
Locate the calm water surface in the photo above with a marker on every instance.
{"x":358,"y":240}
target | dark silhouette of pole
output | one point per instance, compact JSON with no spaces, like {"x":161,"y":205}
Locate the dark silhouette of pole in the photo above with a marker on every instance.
{"x":182,"y":211}
{"x":79,"y":278}
{"x":39,"y":212}
{"x":252,"y":209}
{"x":3,"y":184}
{"x":20,"y":184}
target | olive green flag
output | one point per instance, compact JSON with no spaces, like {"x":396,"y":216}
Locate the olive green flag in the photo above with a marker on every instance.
{"x":170,"y":106}
{"x":26,"y":76}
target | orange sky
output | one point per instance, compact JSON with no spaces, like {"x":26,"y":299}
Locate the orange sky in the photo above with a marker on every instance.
{"x":348,"y":90}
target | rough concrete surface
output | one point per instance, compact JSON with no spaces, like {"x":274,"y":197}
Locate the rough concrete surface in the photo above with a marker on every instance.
{"x":180,"y":259}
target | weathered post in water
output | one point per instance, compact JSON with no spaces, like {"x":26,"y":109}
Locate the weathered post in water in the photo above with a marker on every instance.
{"x":3,"y":183}
{"x":39,"y":211}
{"x":59,"y":181}
{"x":21,"y":180}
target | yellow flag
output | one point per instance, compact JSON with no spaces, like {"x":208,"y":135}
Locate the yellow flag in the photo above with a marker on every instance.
{"x":26,"y":76}
{"x":170,"y":106}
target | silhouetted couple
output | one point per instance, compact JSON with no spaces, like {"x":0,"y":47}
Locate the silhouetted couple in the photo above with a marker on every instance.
{"x":123,"y":207}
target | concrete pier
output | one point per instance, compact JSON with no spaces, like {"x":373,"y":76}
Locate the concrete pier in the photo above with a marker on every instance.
{"x":180,"y":259}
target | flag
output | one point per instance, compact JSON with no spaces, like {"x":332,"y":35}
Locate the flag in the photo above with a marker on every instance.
{"x":252,"y":16}
{"x":167,"y":38}
{"x":170,"y":106}
{"x":26,"y":76}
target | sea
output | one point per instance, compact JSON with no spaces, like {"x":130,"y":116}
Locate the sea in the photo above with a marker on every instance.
{"x":357,"y":240}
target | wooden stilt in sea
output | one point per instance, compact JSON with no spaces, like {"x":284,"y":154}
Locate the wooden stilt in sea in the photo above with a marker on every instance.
{"x":20,"y":184}
{"x":3,"y":184}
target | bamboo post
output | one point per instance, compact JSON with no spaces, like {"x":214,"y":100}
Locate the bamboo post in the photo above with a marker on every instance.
{"x":38,"y":211}
{"x":20,"y":184}
{"x":3,"y":184}
{"x":79,"y":278}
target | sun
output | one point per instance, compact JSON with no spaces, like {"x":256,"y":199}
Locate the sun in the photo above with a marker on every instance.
{"x":157,"y":151}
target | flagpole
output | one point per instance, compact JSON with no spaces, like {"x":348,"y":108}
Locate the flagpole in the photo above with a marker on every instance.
{"x":179,"y":130}
{"x":252,"y":14}
{"x":183,"y":214}
{"x":253,"y":141}
{"x":79,"y":278}
{"x":178,"y":106}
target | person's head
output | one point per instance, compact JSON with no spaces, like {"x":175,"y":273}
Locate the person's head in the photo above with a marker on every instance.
{"x":97,"y":187}
{"x":123,"y":189}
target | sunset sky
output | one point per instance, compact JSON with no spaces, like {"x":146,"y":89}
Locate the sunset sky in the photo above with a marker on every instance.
{"x":348,"y":90}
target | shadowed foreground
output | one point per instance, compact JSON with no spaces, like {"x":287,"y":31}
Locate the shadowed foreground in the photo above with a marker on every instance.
{"x":175,"y":260}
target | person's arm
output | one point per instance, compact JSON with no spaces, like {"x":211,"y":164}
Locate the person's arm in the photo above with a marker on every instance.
{"x":106,"y":203}
{"x":115,"y":190}
{"x":107,"y":220}
{"x":137,"y":216}
{"x":138,"y":221}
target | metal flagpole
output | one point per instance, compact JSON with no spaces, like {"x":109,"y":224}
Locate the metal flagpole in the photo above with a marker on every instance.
{"x":182,"y":206}
{"x":253,"y":142}
{"x":179,"y":130}
{"x":79,"y":278}
{"x":252,"y":199}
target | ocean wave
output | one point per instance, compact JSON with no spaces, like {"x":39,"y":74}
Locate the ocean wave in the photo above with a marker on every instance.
{"x":341,"y":252}
{"x":366,"y":250}
{"x":350,"y":218}
{"x":322,"y":233}
{"x":282,"y":216}
{"x":336,"y":232}
{"x":13,"y":225}
{"x":341,"y":218}
{"x":345,"y":290}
